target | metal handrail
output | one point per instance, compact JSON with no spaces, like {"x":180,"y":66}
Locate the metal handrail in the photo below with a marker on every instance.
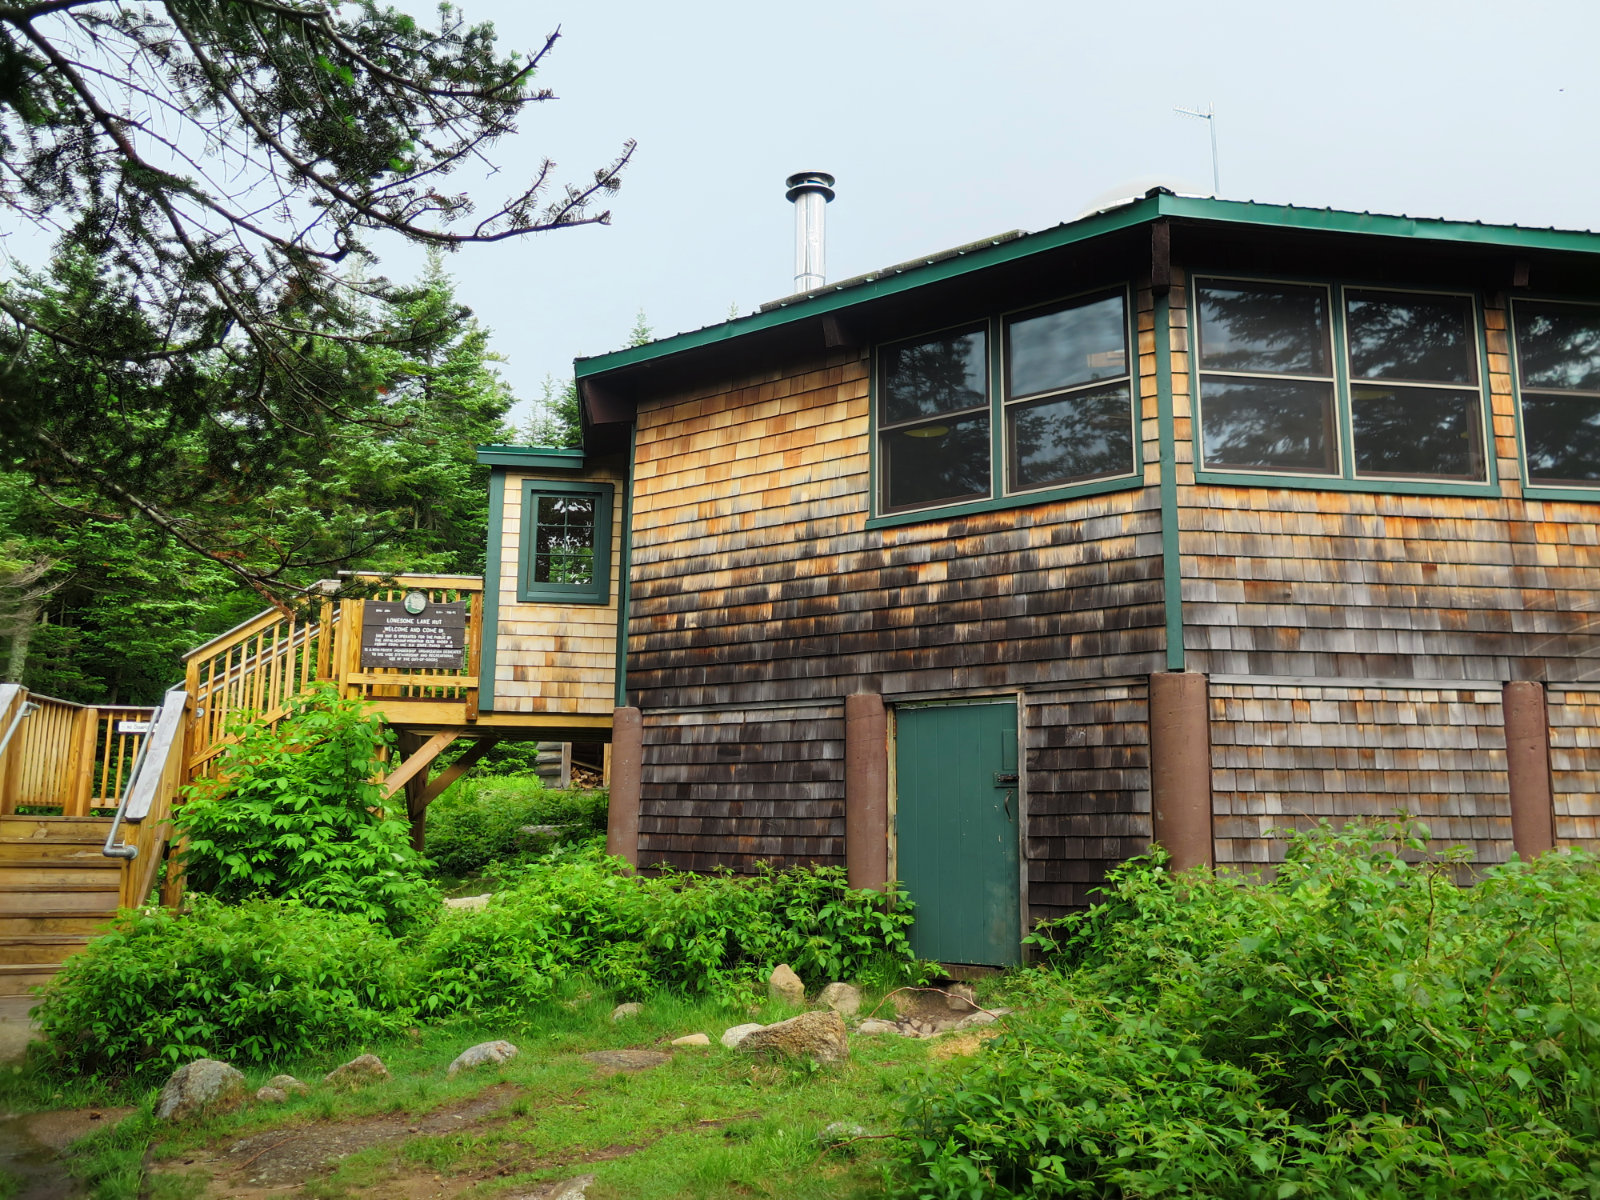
{"x":27,"y":706}
{"x":162,"y":727}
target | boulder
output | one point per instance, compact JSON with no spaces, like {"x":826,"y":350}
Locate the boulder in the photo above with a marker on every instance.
{"x":289,"y":1084}
{"x":732,"y":1037}
{"x":818,"y":1036}
{"x":692,"y":1039}
{"x":843,"y":998}
{"x":358,"y":1072}
{"x":872,"y":1027}
{"x":204,"y":1085}
{"x":271,"y":1095}
{"x":623,"y":1011}
{"x":612,"y":1061}
{"x":785,"y":986}
{"x":469,"y":902}
{"x":483,"y":1054}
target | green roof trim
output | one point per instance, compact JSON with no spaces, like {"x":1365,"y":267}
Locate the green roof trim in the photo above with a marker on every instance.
{"x":1148,"y":208}
{"x":540,"y":458}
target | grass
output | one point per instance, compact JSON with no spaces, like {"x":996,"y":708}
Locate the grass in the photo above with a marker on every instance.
{"x":710,"y":1123}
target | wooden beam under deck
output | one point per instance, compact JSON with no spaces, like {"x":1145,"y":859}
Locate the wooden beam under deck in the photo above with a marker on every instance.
{"x":438,"y":716}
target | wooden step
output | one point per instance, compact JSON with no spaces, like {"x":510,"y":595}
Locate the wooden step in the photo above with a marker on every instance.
{"x":42,"y":828}
{"x":65,"y":850}
{"x":40,"y":948}
{"x":92,"y":872}
{"x":20,"y":980}
{"x":84,"y":924}
{"x":57,"y":897}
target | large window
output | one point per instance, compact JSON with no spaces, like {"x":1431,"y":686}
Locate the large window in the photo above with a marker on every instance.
{"x":1357,"y":383}
{"x":1042,"y":398}
{"x":1558,"y":373}
{"x":566,"y":542}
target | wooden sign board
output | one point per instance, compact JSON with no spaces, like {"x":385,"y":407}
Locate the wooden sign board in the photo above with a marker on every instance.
{"x":392,"y":638}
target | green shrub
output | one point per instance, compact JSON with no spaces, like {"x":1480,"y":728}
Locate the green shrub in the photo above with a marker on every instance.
{"x":479,"y":820}
{"x":293,"y":811}
{"x":256,"y":982}
{"x":577,"y":911}
{"x":1358,"y":1027}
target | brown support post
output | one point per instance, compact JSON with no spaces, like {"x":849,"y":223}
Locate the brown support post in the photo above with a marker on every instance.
{"x":866,"y":791}
{"x":1528,"y":768}
{"x":1180,"y":767}
{"x":627,"y":760}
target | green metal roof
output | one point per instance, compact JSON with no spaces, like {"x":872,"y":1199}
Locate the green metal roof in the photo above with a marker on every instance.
{"x":543,"y":458}
{"x":1150,"y":207}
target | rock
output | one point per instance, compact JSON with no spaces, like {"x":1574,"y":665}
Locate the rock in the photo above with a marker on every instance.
{"x":623,"y":1011}
{"x":984,"y":1016}
{"x":732,"y":1037}
{"x":358,"y":1072}
{"x":470,"y":902}
{"x":612,"y":1061}
{"x":271,"y":1095}
{"x":818,"y":1036}
{"x":483,"y":1054}
{"x":839,"y":1131}
{"x":204,"y":1085}
{"x":568,"y":1189}
{"x":785,"y":986}
{"x":843,"y":998}
{"x":288,"y":1083}
{"x":692,"y":1039}
{"x":959,"y":997}
{"x":872,"y":1026}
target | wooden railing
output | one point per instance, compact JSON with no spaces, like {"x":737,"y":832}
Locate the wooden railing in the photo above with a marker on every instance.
{"x":65,"y":758}
{"x":143,"y":822}
{"x":256,"y":668}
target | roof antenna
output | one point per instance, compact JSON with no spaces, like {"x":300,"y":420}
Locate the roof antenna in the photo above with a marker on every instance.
{"x":1209,"y":116}
{"x":809,"y":191}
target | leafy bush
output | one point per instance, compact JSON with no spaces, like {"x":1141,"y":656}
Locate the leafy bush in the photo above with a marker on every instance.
{"x":479,"y":821}
{"x":258,"y":982}
{"x":293,"y":811}
{"x":1358,"y":1027}
{"x":579,"y":911}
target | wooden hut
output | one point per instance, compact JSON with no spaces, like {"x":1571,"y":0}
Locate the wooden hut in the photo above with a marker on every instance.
{"x":1190,"y":519}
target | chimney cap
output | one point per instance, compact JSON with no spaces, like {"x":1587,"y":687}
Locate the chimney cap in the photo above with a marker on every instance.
{"x":802,"y":182}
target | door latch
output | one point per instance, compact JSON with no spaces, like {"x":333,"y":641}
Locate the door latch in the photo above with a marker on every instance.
{"x":1005,"y":779}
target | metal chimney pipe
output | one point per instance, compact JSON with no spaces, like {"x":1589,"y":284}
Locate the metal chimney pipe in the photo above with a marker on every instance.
{"x":809,"y":191}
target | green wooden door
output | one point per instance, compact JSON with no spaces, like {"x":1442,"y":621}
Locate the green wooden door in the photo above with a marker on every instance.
{"x":956,"y":828}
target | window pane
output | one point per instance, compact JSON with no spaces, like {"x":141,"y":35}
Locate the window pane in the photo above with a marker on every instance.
{"x":1417,"y":431}
{"x":1411,"y":337}
{"x":563,"y":546}
{"x":1562,"y":438}
{"x":939,"y":375}
{"x":1269,"y":327}
{"x":938,"y":461}
{"x":1076,"y":345}
{"x":1071,"y":437}
{"x":1558,"y":346}
{"x":1277,"y":424}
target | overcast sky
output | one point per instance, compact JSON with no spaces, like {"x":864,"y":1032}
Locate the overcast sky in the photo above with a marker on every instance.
{"x":948,"y":122}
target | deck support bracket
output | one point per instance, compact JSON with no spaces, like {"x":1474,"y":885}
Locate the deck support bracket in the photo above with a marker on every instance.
{"x":417,"y":761}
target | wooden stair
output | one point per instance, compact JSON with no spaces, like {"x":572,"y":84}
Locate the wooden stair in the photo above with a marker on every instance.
{"x":56,"y":891}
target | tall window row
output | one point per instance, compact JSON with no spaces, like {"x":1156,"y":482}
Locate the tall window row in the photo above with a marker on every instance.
{"x":1053,"y":382}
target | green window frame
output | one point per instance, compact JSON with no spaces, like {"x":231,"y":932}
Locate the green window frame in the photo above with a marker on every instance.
{"x":1018,"y":407}
{"x":1557,"y":407}
{"x":1375,"y":413}
{"x":564,"y":552}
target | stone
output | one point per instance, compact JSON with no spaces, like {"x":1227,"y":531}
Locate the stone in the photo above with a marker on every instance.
{"x":818,"y":1036}
{"x":288,"y":1083}
{"x":959,"y":997}
{"x":871,"y":1027}
{"x":204,"y":1085}
{"x":568,"y":1189}
{"x":623,"y":1011}
{"x":843,"y":998}
{"x":358,"y":1072}
{"x":271,"y":1095}
{"x":692,"y":1039}
{"x":785,"y":986}
{"x":612,"y":1061}
{"x":984,"y":1016}
{"x":732,"y":1037}
{"x":483,"y":1054}
{"x":469,"y":902}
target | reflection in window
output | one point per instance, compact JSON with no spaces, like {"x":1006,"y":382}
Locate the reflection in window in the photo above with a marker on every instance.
{"x":927,"y":464}
{"x":933,"y":419}
{"x":1266,"y":382}
{"x":563,"y":547}
{"x":939,"y":375}
{"x":1558,"y":368}
{"x":1414,"y":422}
